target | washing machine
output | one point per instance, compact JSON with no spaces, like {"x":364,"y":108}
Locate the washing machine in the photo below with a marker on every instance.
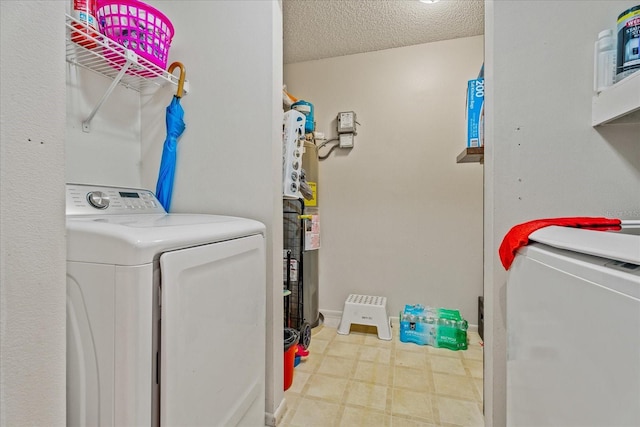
{"x":165,"y":313}
{"x":573,"y":329}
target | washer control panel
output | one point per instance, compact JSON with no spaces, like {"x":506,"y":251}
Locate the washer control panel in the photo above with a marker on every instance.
{"x":85,"y":199}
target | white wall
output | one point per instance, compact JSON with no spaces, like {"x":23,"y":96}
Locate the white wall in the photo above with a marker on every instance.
{"x":108,"y":154}
{"x":542,"y":158}
{"x":399,"y":217}
{"x":32,"y":243}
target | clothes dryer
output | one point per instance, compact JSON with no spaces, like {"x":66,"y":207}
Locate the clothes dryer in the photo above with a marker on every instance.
{"x":573,"y":329}
{"x":165,"y":313}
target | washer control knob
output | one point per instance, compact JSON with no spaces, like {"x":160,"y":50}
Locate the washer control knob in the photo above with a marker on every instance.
{"x":98,"y":199}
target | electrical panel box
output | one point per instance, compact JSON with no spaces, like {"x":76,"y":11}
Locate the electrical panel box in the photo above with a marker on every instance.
{"x":346,"y":140}
{"x":347,"y":122}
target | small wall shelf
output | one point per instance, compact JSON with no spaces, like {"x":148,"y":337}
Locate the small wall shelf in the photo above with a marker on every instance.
{"x":471,"y":155}
{"x":619,"y":103}
{"x":99,"y":54}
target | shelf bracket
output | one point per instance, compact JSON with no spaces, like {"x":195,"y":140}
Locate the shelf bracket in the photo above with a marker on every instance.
{"x":131,"y":58}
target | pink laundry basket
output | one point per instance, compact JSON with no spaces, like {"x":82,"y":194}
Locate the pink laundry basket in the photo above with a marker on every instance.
{"x":137,"y":27}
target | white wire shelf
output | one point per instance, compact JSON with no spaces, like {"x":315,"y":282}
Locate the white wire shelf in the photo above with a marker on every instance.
{"x":95,"y":52}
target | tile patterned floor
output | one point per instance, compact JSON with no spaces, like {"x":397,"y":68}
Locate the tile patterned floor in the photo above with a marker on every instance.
{"x":359,"y":380}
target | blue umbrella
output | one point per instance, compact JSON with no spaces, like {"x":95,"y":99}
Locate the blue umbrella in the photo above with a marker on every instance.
{"x":175,"y":127}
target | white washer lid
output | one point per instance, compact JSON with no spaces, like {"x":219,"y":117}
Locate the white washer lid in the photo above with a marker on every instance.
{"x":623,"y":245}
{"x":138,"y":239}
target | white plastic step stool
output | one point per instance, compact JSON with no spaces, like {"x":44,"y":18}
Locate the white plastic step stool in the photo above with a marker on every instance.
{"x":366,"y":310}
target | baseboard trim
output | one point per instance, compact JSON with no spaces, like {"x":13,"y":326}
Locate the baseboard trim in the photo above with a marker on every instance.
{"x":332,"y":319}
{"x":272,"y":420}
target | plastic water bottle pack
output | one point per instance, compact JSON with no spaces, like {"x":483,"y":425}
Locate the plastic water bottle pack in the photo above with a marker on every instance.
{"x":437,"y":327}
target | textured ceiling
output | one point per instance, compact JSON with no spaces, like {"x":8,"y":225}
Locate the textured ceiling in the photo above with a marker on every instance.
{"x":316,"y":29}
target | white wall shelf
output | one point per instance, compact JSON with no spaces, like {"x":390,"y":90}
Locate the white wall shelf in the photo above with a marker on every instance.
{"x":99,"y":54}
{"x":619,"y":103}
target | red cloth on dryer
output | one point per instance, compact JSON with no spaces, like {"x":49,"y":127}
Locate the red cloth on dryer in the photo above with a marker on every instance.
{"x":518,"y":236}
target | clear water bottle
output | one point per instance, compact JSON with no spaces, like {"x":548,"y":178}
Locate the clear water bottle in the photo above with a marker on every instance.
{"x":604,"y":69}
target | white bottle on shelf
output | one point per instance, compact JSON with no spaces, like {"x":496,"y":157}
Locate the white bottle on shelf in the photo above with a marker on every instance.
{"x":604,"y":67}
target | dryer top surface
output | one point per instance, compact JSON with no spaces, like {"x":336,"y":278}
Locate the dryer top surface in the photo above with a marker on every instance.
{"x":622,"y":245}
